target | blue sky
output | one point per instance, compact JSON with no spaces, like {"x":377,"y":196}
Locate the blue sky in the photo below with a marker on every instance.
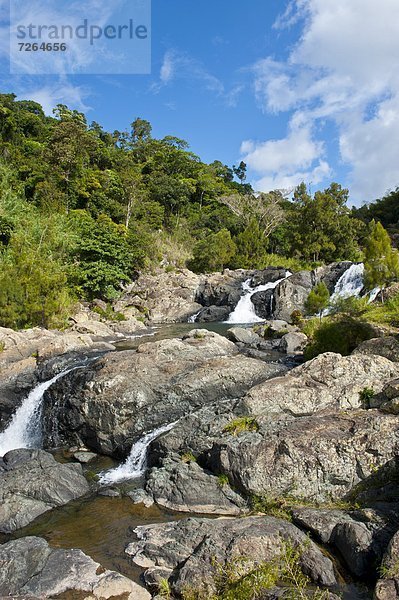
{"x":299,"y":89}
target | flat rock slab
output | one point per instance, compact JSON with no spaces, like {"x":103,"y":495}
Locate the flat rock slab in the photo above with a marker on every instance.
{"x":32,"y":483}
{"x":31,"y":569}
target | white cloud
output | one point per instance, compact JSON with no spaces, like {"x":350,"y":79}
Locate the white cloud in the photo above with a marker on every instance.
{"x":58,"y":93}
{"x":344,"y":68}
{"x":180,"y":65}
{"x":286,"y":162}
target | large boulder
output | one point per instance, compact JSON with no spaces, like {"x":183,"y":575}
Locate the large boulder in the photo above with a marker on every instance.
{"x":222,"y":289}
{"x":263,"y":303}
{"x":212,"y":314}
{"x":318,"y":458}
{"x":32,"y":482}
{"x":293,"y":343}
{"x":164,"y":297}
{"x":115,"y":400}
{"x":193,"y":551}
{"x":31,"y":569}
{"x":291,"y":294}
{"x":186,"y":487}
{"x":360,"y":536}
{"x":381,"y":346}
{"x":327,"y":381}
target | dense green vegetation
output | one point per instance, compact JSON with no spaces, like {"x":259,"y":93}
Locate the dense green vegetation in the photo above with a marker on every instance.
{"x":83,"y":210}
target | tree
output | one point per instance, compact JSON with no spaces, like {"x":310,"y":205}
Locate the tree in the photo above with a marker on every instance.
{"x":214,"y":252}
{"x":381,"y":260}
{"x":318,"y":299}
{"x":241,"y":171}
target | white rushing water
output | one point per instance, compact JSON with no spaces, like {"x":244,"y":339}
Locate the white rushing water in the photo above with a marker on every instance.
{"x":244,"y":312}
{"x":24,"y":430}
{"x":351,"y":283}
{"x":135,"y":464}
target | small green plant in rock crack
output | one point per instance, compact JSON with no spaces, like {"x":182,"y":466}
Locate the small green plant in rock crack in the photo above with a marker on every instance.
{"x":223,"y":480}
{"x":241,"y":424}
{"x":188,"y":457}
{"x":365,"y":395}
{"x":164,"y":589}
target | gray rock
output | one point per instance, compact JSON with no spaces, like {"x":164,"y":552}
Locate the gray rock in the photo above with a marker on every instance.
{"x":330,"y":274}
{"x":222,"y":289}
{"x":111,"y":404}
{"x":185,"y":547}
{"x":269,"y":275}
{"x":213,"y":314}
{"x":380,"y":346}
{"x":32,"y":569}
{"x":318,"y":458}
{"x":186,"y":487}
{"x":328,"y":381}
{"x":33,"y":483}
{"x":140,"y":496}
{"x":263,"y":303}
{"x":293,"y":343}
{"x":162,"y":297}
{"x":291,"y":294}
{"x":387,"y":588}
{"x":84,"y":457}
{"x":360,"y":536}
{"x":244,"y":335}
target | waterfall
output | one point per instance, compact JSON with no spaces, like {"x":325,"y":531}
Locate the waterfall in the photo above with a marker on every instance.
{"x":135,"y":464}
{"x":24,"y":430}
{"x":193,"y":318}
{"x":350,"y":283}
{"x":244,"y":312}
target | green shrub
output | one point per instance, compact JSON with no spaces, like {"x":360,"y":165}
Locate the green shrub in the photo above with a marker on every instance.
{"x":340,"y":334}
{"x":296,"y":317}
{"x":277,"y":507}
{"x":241,"y":424}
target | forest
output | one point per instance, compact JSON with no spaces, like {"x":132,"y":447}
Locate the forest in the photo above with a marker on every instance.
{"x":83,"y":211}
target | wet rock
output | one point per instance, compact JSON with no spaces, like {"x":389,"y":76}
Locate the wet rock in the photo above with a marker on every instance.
{"x":213,"y":314}
{"x":111,"y":404}
{"x":222,"y":289}
{"x":192,"y":549}
{"x":328,"y":381}
{"x":186,"y":487}
{"x":33,"y":483}
{"x":269,"y":275}
{"x":140,"y":496}
{"x":30,"y":568}
{"x":263,"y":303}
{"x":293,"y":343}
{"x":84,"y":457}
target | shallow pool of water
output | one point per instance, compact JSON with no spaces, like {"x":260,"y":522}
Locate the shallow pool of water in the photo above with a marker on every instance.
{"x":100,"y":526}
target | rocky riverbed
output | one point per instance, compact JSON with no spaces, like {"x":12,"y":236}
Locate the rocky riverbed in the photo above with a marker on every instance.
{"x":266,"y":461}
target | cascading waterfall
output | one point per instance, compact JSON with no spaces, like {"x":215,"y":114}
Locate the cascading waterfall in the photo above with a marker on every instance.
{"x":351,"y":283}
{"x":24,"y":430}
{"x":135,"y":464}
{"x":244,"y":312}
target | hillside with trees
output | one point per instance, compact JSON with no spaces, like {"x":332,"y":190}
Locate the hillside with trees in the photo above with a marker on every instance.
{"x":83,"y":211}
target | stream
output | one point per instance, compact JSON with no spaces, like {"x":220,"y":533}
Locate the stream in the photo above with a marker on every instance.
{"x":102,"y":525}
